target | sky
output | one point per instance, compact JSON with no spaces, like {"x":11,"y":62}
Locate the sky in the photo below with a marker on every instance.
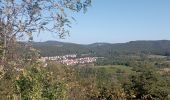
{"x":119,"y":21}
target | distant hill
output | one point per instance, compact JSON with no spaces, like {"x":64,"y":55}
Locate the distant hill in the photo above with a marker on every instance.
{"x":52,"y":48}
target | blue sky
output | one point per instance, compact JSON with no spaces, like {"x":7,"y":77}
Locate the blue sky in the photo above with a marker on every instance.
{"x":117,"y":21}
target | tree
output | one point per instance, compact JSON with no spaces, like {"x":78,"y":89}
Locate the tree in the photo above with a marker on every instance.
{"x":36,"y":83}
{"x":1,"y":42}
{"x":147,"y":84}
{"x":20,"y":18}
{"x":1,"y":48}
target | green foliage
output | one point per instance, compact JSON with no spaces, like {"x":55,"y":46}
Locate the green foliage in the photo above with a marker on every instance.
{"x":98,"y":83}
{"x":37,"y":84}
{"x":113,"y":92}
{"x":7,"y":84}
{"x":147,"y":83}
{"x":58,"y":82}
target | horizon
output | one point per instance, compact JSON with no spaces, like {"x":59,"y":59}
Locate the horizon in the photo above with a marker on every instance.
{"x":118,"y":22}
{"x":99,"y":42}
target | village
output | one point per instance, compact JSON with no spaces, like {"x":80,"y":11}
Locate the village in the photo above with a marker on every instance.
{"x":70,"y":59}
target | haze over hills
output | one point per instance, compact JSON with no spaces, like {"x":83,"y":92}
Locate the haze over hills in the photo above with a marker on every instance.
{"x":53,"y":48}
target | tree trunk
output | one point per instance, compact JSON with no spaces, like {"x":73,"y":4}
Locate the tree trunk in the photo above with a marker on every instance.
{"x":4,"y":48}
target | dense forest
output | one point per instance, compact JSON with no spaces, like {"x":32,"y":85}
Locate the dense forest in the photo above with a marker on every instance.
{"x":52,"y":48}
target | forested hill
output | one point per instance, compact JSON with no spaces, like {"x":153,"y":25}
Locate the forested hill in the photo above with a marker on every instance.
{"x":53,"y":48}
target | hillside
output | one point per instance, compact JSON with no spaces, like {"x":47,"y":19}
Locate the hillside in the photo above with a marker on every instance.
{"x":52,"y":48}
